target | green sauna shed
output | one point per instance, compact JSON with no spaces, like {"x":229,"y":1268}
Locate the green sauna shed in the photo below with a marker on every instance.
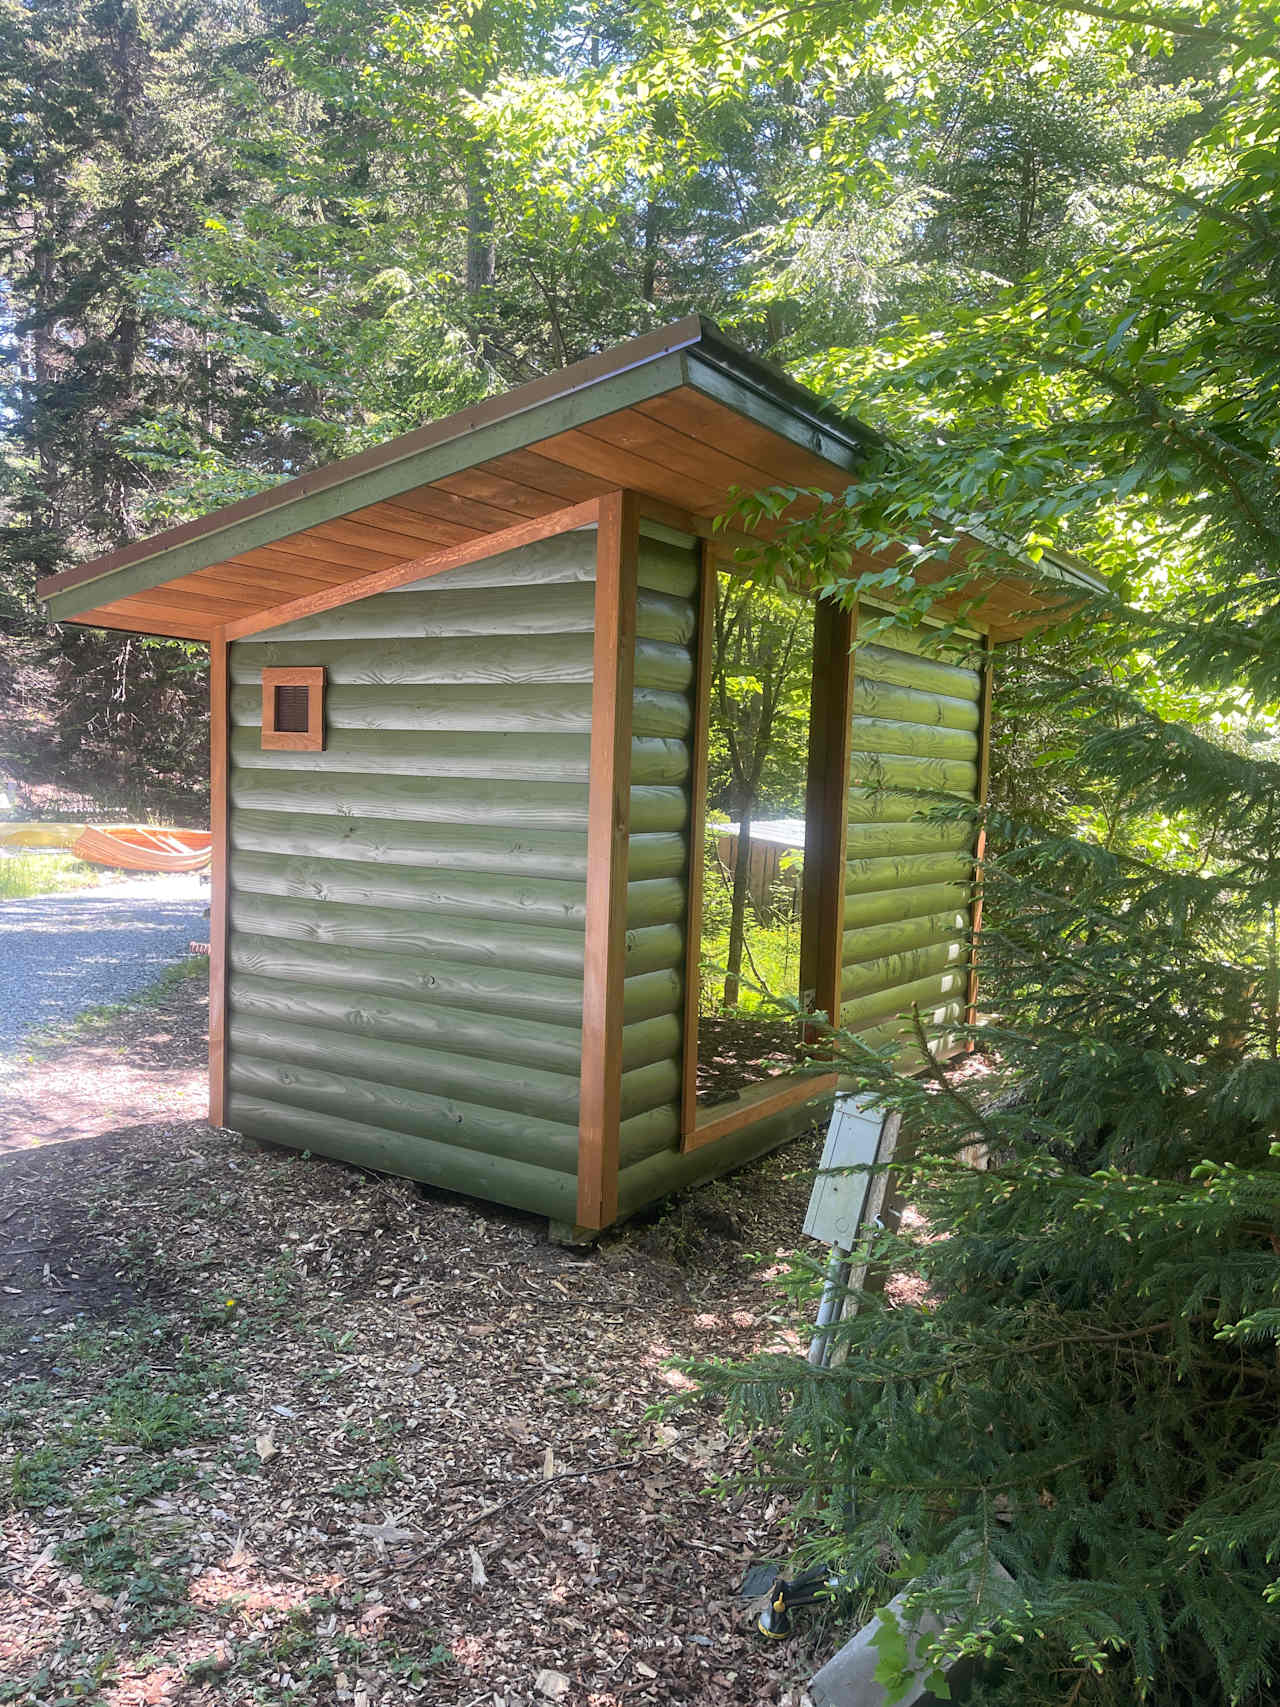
{"x":459,"y":689}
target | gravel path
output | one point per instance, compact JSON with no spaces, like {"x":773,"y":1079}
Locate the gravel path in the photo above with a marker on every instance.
{"x":61,"y":954}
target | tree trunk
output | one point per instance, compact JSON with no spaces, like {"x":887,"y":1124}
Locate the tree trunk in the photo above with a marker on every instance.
{"x":481,"y":257}
{"x":649,"y":276}
{"x":738,"y":912}
{"x":481,"y":253}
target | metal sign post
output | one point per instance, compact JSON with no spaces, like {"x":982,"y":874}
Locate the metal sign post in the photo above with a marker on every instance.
{"x":843,"y":1205}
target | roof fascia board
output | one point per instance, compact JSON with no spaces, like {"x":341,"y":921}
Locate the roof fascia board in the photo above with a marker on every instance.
{"x":464,"y":448}
{"x":804,"y":427}
{"x":1053,"y":565}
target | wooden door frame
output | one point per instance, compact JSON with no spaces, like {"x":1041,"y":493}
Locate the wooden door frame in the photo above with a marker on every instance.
{"x":822,"y":900}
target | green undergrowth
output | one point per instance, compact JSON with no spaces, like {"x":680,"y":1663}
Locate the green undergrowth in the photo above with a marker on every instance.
{"x":39,"y":873}
{"x":111,"y":1453}
{"x":110,"y":1422}
{"x":123,"y":1418}
{"x":93,"y":1020}
{"x":297,"y":1662}
{"x":309,"y":1659}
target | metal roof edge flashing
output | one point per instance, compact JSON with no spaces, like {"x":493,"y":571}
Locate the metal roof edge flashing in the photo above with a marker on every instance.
{"x":775,"y":386}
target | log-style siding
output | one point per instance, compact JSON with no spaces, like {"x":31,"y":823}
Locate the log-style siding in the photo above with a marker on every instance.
{"x":666,"y":623}
{"x":407,"y":906}
{"x":915,"y":745}
{"x":652,"y":1162}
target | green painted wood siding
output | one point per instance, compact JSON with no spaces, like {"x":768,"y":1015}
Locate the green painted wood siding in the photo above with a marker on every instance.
{"x":657,"y":870}
{"x":908,"y":882}
{"x":652,"y":1163}
{"x":407,"y":906}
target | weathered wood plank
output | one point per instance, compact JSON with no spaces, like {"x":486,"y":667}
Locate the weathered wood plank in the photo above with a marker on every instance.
{"x":461,"y":985}
{"x":530,"y":766}
{"x":521,"y":949}
{"x":666,"y":616}
{"x":456,"y":660}
{"x":388,"y":841}
{"x":558,"y":707}
{"x":431,"y":1025}
{"x":484,"y":897}
{"x":663,"y":666}
{"x":498,"y":1179}
{"x":882,"y":907}
{"x":894,"y":770}
{"x":533,"y":1092}
{"x":935,"y":995}
{"x":654,"y":1131}
{"x":881,"y":822}
{"x":865,"y":977}
{"x":866,"y":876}
{"x":912,"y":705}
{"x":659,"y":808}
{"x":915,"y":740}
{"x":876,"y":663}
{"x":896,"y":938}
{"x":437,"y":799}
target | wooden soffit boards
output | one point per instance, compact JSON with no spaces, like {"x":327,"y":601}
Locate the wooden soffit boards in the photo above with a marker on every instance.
{"x":680,"y":417}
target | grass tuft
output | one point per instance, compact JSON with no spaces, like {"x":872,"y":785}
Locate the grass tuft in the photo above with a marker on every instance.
{"x":25,"y":874}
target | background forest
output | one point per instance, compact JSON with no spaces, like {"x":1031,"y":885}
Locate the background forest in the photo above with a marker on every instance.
{"x":1037,"y":245}
{"x":240,"y":240}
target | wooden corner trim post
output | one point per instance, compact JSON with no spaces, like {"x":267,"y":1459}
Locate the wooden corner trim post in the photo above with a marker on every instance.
{"x":827,"y":808}
{"x":980,"y":842}
{"x":608,"y":833}
{"x":699,"y":733}
{"x":219,"y":653}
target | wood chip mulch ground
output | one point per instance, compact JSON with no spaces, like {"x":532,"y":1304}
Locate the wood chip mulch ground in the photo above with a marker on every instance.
{"x":277,"y":1431}
{"x":737,"y":1051}
{"x":144,"y":1062}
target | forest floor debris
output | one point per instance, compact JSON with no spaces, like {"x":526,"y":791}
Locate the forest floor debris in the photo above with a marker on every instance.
{"x":278,"y":1431}
{"x":113,"y":1067}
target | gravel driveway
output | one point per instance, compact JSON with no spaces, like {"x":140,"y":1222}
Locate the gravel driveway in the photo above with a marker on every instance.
{"x":61,"y":954}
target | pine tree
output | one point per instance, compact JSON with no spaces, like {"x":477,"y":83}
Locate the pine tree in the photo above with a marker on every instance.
{"x":108,"y":148}
{"x":1088,"y":1392}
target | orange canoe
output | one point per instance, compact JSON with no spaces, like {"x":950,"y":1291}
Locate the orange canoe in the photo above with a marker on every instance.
{"x":139,"y":847}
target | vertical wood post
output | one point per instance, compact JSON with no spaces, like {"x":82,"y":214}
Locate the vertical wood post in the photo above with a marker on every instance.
{"x":827,"y":808}
{"x":980,"y":843}
{"x":608,"y":832}
{"x":218,"y":824}
{"x":699,"y":747}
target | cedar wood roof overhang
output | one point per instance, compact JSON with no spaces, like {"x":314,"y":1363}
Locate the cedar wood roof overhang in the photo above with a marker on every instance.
{"x":680,"y":416}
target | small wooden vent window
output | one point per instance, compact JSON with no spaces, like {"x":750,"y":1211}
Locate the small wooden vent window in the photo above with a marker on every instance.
{"x":293,"y":709}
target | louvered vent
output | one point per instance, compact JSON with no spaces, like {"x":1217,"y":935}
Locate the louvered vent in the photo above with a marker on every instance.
{"x":292,"y":710}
